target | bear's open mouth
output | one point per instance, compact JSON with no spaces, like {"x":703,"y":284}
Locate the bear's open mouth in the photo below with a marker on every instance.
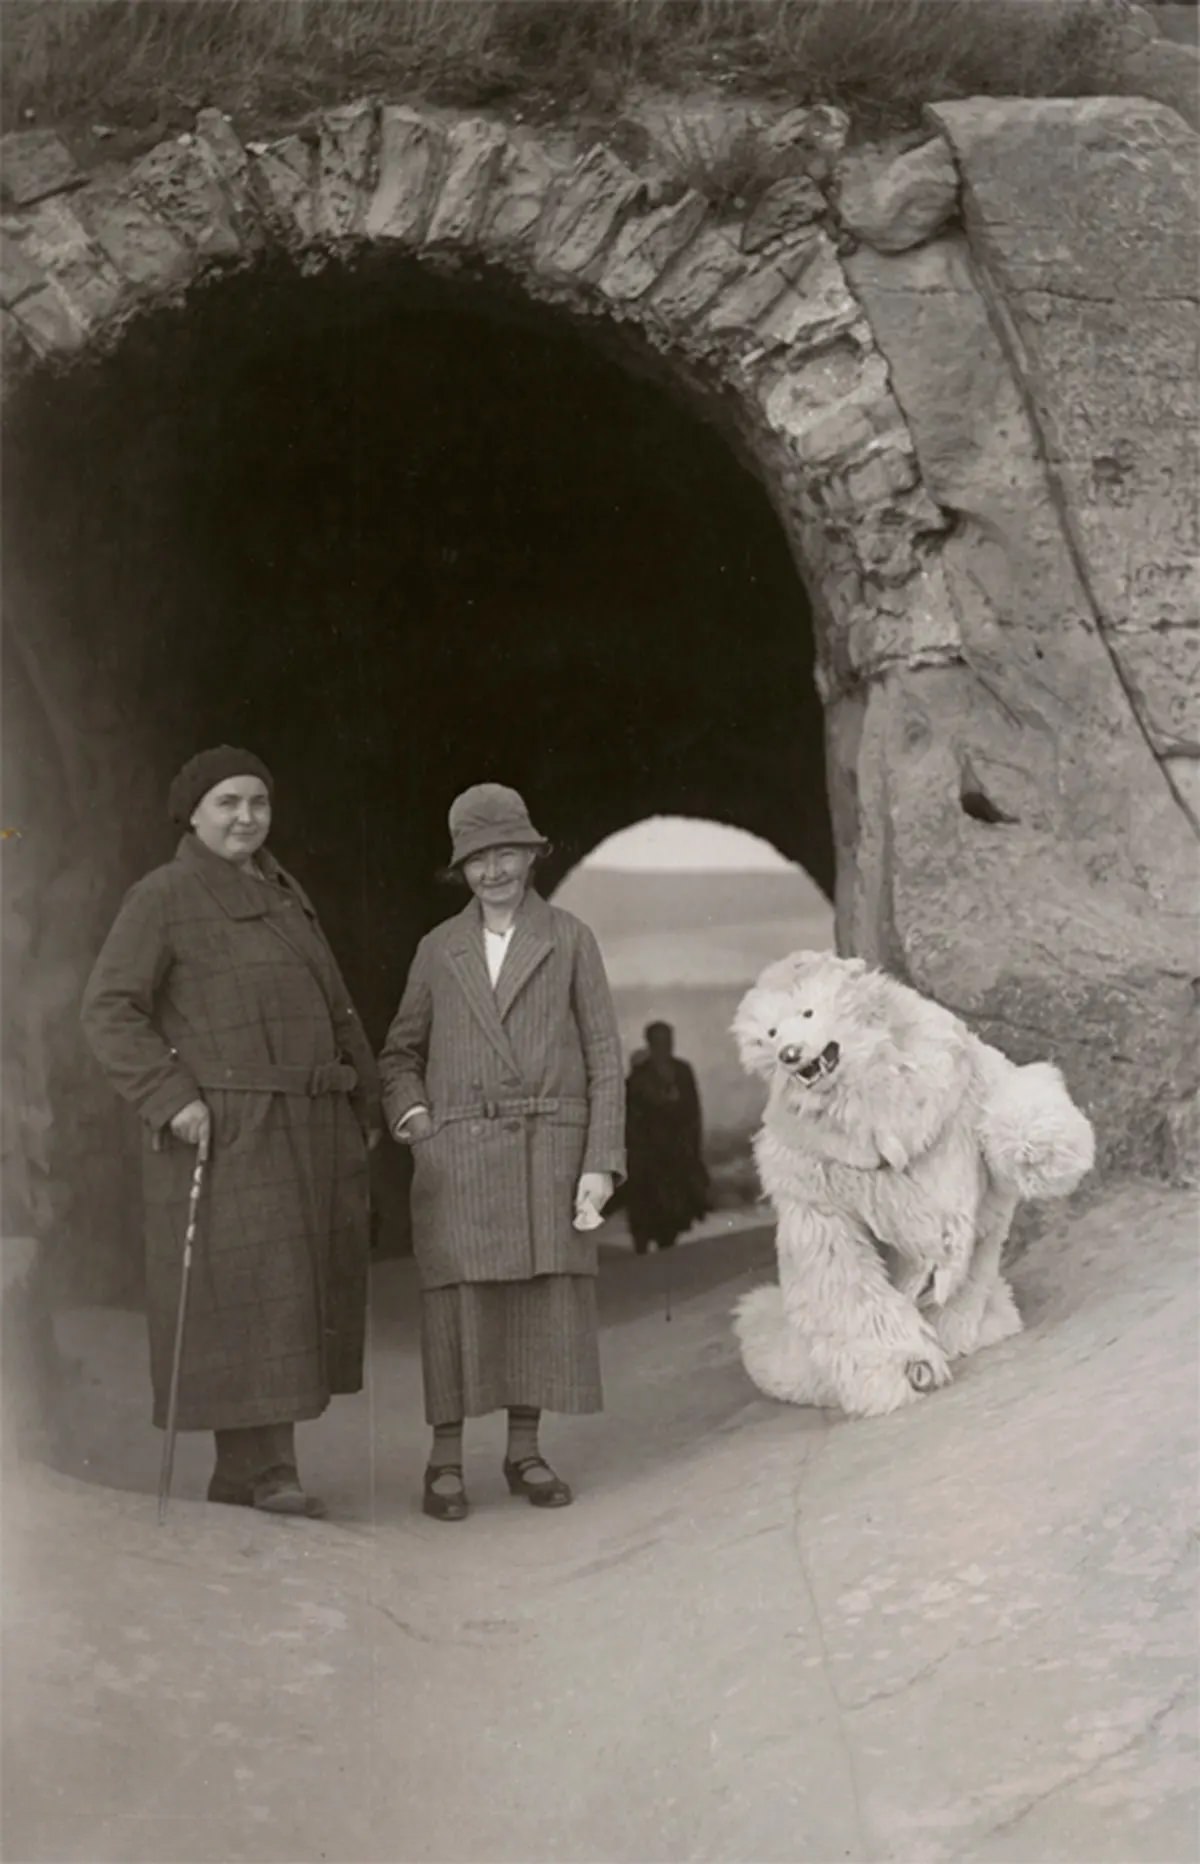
{"x":823,"y":1064}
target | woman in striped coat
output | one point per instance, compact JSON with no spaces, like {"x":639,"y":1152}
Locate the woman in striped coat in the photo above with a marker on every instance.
{"x":502,"y":1071}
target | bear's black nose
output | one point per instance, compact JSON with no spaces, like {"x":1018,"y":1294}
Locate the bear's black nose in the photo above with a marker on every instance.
{"x":789,"y":1056}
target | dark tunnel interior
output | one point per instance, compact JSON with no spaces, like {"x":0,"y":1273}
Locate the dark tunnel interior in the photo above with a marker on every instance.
{"x":400,"y":533}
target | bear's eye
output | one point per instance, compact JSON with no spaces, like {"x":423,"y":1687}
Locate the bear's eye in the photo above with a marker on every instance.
{"x":771,"y":1033}
{"x":808,"y":1012}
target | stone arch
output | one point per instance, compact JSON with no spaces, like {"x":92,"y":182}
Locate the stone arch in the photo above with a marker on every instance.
{"x":1007,"y":760}
{"x":752,"y":312}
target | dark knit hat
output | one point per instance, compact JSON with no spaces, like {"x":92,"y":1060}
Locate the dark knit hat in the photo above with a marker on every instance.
{"x":204,"y":771}
{"x":490,"y":816}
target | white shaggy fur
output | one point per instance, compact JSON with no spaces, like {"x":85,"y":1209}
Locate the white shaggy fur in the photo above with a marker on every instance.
{"x":892,"y":1135}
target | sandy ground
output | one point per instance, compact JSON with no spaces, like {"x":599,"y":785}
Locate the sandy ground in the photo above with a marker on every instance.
{"x":966,"y":1632}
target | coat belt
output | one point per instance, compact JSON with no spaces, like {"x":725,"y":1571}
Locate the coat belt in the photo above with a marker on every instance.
{"x":570,"y":1112}
{"x":325,"y":1077}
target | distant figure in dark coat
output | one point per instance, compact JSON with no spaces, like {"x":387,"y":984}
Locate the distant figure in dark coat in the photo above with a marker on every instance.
{"x":667,"y":1189}
{"x":217,"y":1009}
{"x":502,"y":1071}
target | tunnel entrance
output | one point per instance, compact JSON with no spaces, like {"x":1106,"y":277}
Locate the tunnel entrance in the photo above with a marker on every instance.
{"x":398,"y":533}
{"x":687,"y":913}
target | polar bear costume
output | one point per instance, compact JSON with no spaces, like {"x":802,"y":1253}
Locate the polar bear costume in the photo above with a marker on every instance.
{"x":888,"y":1123}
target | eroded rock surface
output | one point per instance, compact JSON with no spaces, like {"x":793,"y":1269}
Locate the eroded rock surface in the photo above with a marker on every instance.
{"x":1101,"y":293}
{"x":897,"y":200}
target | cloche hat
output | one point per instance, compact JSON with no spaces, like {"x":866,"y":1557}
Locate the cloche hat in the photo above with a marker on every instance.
{"x":489,"y":815}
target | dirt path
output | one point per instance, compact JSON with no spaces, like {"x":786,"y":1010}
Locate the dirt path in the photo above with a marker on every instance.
{"x":963,"y":1633}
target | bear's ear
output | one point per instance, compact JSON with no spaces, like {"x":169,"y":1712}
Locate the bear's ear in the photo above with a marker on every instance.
{"x":750,"y":1031}
{"x":806,"y":964}
{"x":780,"y":974}
{"x":747,"y":1023}
{"x":786,"y":973}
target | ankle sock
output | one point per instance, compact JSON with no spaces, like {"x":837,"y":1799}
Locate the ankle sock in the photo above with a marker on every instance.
{"x":523,"y":1421}
{"x":447,"y":1445}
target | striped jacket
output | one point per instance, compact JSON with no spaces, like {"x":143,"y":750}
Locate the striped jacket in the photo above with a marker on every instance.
{"x":526,"y":1090}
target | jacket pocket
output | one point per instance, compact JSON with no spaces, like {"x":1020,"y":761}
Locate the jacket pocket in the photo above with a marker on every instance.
{"x":568,"y":1143}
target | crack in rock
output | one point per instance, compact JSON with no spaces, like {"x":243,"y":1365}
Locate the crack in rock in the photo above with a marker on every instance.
{"x":1016,"y":1818}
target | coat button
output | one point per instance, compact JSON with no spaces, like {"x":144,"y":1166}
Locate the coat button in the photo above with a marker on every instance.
{"x":512,"y":1126}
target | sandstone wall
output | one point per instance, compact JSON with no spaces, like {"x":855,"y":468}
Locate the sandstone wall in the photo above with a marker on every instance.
{"x":1044,"y":350}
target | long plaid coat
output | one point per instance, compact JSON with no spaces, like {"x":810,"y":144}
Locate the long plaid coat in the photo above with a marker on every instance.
{"x":526,"y":1089}
{"x":218,"y":986}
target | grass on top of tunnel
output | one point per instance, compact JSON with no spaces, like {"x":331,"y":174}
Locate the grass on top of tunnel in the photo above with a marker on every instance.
{"x":146,"y":66}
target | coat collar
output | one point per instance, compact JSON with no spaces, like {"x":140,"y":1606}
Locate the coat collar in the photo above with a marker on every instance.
{"x":532,"y":942}
{"x":233,"y":890}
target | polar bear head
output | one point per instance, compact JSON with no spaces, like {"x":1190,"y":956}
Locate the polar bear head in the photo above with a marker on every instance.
{"x":844,"y":1044}
{"x":805,"y":1018}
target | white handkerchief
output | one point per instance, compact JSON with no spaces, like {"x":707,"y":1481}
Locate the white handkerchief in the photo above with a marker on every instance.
{"x":587,"y":1217}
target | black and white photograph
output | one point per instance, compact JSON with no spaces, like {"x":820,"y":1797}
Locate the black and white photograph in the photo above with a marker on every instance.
{"x":601,"y":932}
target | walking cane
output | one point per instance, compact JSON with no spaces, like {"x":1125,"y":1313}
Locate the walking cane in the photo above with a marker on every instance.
{"x":168,"y":1455}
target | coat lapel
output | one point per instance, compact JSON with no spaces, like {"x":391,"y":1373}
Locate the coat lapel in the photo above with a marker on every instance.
{"x":532,"y":943}
{"x":222,"y":879}
{"x":302,"y":947}
{"x":243,"y":900}
{"x":465,"y":951}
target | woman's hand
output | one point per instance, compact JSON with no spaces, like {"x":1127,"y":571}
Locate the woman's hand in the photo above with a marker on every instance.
{"x":595,"y":1188}
{"x":193,"y":1124}
{"x":418,"y":1126}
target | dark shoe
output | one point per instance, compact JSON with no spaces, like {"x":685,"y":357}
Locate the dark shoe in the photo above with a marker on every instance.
{"x":232,"y":1494}
{"x":276,"y":1492}
{"x":552,"y":1494}
{"x":453,"y":1507}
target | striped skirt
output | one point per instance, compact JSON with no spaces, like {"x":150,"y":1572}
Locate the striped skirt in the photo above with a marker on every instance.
{"x":488,"y":1345}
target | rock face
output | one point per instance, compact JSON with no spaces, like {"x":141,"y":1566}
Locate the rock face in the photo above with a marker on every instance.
{"x":1103,"y":312}
{"x":977,"y":431}
{"x":1025,"y":615}
{"x":897,"y":201}
{"x":782,"y":209}
{"x":1074,"y":627}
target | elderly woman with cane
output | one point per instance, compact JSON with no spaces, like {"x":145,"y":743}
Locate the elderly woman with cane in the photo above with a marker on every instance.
{"x":502,"y":1071}
{"x":217,"y":1009}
